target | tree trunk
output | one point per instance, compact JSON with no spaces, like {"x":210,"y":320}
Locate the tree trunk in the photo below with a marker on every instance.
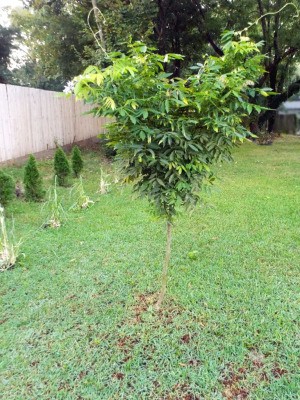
{"x":275,"y":102}
{"x":164,"y":277}
{"x":161,"y":26}
{"x":176,"y":48}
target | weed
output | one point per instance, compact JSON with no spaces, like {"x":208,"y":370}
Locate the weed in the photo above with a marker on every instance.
{"x":9,"y":250}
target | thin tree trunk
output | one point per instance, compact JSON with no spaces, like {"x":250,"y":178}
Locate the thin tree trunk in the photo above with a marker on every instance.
{"x":164,"y":277}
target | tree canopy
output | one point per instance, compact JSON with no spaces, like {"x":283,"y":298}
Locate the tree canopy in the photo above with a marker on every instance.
{"x":170,"y":131}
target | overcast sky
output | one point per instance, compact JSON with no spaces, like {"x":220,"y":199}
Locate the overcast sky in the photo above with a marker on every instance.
{"x":4,"y":13}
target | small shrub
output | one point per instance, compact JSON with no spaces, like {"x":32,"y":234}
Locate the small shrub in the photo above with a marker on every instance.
{"x":9,"y":251}
{"x":77,"y":161}
{"x":33,"y":181}
{"x":61,"y":167}
{"x":7,"y":188}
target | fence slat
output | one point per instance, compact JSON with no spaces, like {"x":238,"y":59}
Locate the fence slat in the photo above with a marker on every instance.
{"x":34,"y":120}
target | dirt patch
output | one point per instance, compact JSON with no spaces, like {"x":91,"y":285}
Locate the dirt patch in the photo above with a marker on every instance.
{"x":278,"y":372}
{"x":181,"y":391}
{"x":118,"y":375}
{"x":145,"y":303}
{"x":81,"y":375}
{"x":232,"y":383}
{"x":194,"y":363}
{"x":186,"y":338}
{"x":235,"y":381}
{"x":257,"y":359}
{"x":34,"y":363}
{"x":127,"y":343}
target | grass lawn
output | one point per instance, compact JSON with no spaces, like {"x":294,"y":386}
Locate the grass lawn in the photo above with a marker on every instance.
{"x":77,"y":319}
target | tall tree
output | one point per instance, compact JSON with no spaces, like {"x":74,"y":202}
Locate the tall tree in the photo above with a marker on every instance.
{"x":60,"y":35}
{"x":56,"y":36}
{"x":7,"y":37}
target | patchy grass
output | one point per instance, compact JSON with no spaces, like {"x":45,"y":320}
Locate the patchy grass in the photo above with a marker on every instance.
{"x":77,"y":318}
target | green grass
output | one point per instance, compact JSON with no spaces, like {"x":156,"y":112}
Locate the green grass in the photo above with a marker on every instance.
{"x":77,"y":320}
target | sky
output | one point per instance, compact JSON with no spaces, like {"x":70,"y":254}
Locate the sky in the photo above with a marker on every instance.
{"x":4,"y":13}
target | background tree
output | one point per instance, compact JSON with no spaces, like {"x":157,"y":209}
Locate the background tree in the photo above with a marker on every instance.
{"x":59,"y":40}
{"x":277,"y":26}
{"x":7,"y":37}
{"x":55,"y":39}
{"x":170,"y":132}
{"x":60,"y":43}
{"x":33,"y":181}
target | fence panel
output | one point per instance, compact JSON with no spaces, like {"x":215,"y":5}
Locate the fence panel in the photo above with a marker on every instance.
{"x":34,"y":120}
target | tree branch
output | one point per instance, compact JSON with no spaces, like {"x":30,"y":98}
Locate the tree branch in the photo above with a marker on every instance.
{"x":289,"y":52}
{"x":263,"y":23}
{"x":98,"y":22}
{"x":206,"y":34}
{"x":213,"y":44}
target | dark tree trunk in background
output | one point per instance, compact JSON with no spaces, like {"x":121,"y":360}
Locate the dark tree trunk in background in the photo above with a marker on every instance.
{"x":275,"y":101}
{"x":176,"y":47}
{"x":161,"y":26}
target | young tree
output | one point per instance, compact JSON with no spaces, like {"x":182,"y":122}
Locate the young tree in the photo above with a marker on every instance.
{"x":171,"y":132}
{"x":77,"y":161}
{"x":33,"y":181}
{"x":7,"y":188}
{"x":61,"y":167}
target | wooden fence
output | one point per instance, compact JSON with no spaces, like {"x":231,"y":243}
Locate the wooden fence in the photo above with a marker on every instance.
{"x":33,"y":120}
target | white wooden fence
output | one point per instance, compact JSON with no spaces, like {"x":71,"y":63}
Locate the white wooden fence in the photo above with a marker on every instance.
{"x":33,"y":120}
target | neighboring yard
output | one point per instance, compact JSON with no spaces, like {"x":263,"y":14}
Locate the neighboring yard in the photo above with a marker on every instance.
{"x":77,"y":320}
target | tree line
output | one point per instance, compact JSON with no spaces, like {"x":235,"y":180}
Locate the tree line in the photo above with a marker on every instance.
{"x":59,"y":38}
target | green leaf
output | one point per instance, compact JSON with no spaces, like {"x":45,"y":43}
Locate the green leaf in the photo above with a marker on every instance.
{"x":167,"y":106}
{"x":132,"y":119}
{"x":145,"y":114}
{"x":142,"y":135}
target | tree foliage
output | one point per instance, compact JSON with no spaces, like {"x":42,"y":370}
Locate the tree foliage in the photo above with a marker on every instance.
{"x":171,"y":131}
{"x":59,"y":39}
{"x":7,"y":37}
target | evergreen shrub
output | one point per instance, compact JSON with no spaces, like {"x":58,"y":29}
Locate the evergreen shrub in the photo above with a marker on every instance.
{"x":7,"y":188}
{"x":61,"y":167}
{"x":77,"y":161}
{"x":33,"y":181}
